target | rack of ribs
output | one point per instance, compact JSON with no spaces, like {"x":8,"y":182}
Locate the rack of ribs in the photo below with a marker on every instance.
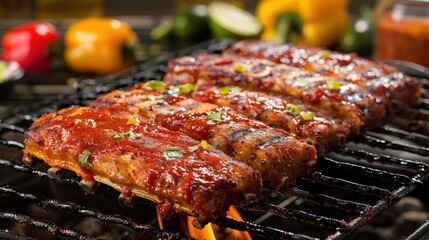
{"x":344,"y":100}
{"x":279,"y":157}
{"x":396,"y":89}
{"x":143,"y":159}
{"x":306,"y":122}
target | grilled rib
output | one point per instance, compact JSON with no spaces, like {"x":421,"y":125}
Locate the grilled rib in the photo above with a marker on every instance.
{"x":385,"y":81}
{"x":344,"y":100}
{"x":311,"y":124}
{"x":279,"y":157}
{"x":135,"y":159}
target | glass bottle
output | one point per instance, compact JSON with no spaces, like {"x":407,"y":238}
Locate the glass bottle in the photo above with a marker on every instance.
{"x":403,"y":30}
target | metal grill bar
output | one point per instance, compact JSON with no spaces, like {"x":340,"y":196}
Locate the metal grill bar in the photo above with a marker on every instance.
{"x":382,"y":174}
{"x":420,"y":232}
{"x":384,"y":144}
{"x":319,"y":178}
{"x":326,"y":200}
{"x":414,"y":137}
{"x":401,"y":162}
{"x":9,"y":235}
{"x":74,"y":208}
{"x":50,"y":227}
{"x":297,"y":215}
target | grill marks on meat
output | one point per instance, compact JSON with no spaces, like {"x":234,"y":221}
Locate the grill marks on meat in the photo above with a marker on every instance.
{"x":395,"y":88}
{"x":279,"y":157}
{"x":343,"y":99}
{"x":203,"y":183}
{"x":323,"y":130}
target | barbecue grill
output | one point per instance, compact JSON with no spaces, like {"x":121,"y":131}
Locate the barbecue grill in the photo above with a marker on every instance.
{"x":348,"y":188}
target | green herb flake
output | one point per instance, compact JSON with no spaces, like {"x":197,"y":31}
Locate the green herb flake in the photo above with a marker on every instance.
{"x":83,"y":159}
{"x":193,"y":148}
{"x":173,"y":152}
{"x":134,"y":135}
{"x":223,"y":90}
{"x":325,"y":55}
{"x":187,"y":88}
{"x":131,"y":134}
{"x":334,"y":85}
{"x":205,"y":145}
{"x":155,"y":85}
{"x":293,"y":109}
{"x":215,"y":117}
{"x":119,"y":135}
{"x":307,"y":115}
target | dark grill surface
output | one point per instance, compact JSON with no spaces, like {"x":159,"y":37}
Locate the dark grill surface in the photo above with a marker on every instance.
{"x":349,"y":186}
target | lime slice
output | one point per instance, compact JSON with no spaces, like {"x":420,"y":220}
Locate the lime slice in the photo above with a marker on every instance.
{"x":229,"y":21}
{"x":163,"y":31}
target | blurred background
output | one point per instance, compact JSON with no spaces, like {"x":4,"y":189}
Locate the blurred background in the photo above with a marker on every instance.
{"x":12,"y":9}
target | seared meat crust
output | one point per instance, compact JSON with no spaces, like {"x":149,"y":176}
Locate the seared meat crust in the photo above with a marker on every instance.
{"x":396,"y":89}
{"x":279,"y":157}
{"x":134,"y":156}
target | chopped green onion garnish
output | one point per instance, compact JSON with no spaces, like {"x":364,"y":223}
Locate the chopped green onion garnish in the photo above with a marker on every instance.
{"x":301,"y":82}
{"x":334,"y":85}
{"x":119,"y":135}
{"x":187,"y":88}
{"x":223,"y":90}
{"x":293,"y":109}
{"x":240,"y":68}
{"x":83,"y":159}
{"x":227,"y":90}
{"x":174,"y":148}
{"x":205,"y":145}
{"x":134,"y":135}
{"x":173,"y":152}
{"x":155,"y":85}
{"x":131,"y":134}
{"x":307,"y":115}
{"x":325,"y":54}
{"x":193,"y":148}
{"x":216,"y":117}
{"x":133,"y":120}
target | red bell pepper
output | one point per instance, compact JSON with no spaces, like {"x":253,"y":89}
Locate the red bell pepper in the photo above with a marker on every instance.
{"x":29,"y":45}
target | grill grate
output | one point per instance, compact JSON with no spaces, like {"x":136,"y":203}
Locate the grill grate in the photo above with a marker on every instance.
{"x":349,"y":186}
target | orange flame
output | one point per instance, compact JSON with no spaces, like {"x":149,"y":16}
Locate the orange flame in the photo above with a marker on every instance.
{"x":213,"y":232}
{"x":158,"y":215}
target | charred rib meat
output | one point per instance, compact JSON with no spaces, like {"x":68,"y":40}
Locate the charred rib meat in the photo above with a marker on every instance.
{"x":143,"y":159}
{"x":303,"y":120}
{"x":395,"y":88}
{"x":279,"y":157}
{"x":343,"y":99}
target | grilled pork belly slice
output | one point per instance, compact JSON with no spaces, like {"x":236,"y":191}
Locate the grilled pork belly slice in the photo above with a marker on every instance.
{"x":305,"y":121}
{"x":141,"y":158}
{"x":344,"y":100}
{"x":280,"y":158}
{"x":396,"y":89}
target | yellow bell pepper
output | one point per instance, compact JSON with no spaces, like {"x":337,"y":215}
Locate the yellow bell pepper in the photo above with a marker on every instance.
{"x":315,"y":10}
{"x":326,"y":32}
{"x":99,"y":45}
{"x":323,"y":21}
